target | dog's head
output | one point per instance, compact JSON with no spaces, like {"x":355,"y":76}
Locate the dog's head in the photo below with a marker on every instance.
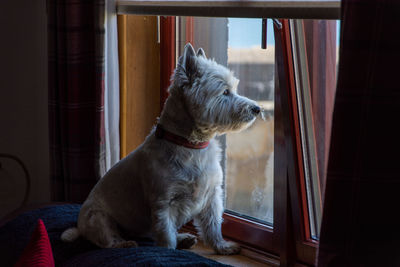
{"x":209,"y":92}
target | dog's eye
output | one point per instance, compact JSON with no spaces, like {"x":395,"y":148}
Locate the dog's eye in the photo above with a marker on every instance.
{"x":226,"y":92}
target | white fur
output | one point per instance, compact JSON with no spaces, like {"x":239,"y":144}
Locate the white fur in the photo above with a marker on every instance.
{"x":161,"y":186}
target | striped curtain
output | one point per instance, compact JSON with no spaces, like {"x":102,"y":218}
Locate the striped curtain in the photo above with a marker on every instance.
{"x":360,"y":225}
{"x":76,"y":96}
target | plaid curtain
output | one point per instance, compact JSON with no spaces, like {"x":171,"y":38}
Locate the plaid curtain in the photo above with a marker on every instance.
{"x":76,"y":93}
{"x":360,"y":225}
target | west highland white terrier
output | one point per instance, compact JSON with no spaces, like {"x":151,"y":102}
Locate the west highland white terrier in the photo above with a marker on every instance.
{"x":175,"y":176}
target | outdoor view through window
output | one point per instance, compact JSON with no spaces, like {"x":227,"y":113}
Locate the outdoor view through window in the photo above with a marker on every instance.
{"x":249,"y":170}
{"x":249,"y":162}
{"x":250,"y":154}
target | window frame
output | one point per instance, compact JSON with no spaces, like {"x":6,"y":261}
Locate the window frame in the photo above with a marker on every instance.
{"x":138,"y":108}
{"x":303,"y":9}
{"x":289,"y":241}
{"x":305,"y":247}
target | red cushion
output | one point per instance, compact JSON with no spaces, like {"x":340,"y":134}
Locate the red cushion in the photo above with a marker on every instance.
{"x":38,"y":251}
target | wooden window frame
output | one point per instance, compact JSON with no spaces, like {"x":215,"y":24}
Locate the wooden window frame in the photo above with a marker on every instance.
{"x":139,"y":87}
{"x":303,"y":9}
{"x":305,"y":247}
{"x":289,"y":241}
{"x":167,"y":55}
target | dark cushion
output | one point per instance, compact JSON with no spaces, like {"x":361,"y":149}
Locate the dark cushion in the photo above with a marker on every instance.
{"x":15,"y":235}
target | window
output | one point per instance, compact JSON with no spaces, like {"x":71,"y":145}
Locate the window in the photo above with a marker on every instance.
{"x":277,"y":212}
{"x":250,"y":153}
{"x":307,"y":78}
{"x":235,"y":43}
{"x":315,"y":56}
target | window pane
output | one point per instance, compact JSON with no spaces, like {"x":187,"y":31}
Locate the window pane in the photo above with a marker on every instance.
{"x":315,"y":49}
{"x":250,"y":154}
{"x":236,"y":44}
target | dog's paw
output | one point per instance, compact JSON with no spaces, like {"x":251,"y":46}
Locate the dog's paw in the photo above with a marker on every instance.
{"x":185,"y":241}
{"x":125,"y":244}
{"x":227,"y":248}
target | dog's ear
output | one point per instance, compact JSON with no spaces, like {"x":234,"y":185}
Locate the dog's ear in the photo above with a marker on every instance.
{"x":186,"y":68}
{"x":201,"y":53}
{"x":188,"y":59}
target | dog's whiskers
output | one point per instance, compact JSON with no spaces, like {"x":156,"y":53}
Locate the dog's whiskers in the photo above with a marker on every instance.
{"x":262,"y":114}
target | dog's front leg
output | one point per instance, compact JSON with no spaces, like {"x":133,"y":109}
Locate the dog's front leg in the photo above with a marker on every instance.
{"x":164,"y":228}
{"x":208,"y":223}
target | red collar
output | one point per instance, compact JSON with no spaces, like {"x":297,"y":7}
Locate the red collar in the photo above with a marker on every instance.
{"x":179,"y":140}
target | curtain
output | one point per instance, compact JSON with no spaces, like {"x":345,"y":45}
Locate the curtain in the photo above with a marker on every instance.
{"x":111,"y":95}
{"x":360,"y":226}
{"x":83,"y":137}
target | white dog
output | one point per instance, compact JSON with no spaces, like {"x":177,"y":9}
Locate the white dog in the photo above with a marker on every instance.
{"x":175,"y":175}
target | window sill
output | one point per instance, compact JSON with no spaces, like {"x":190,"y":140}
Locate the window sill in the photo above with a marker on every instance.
{"x":234,"y":260}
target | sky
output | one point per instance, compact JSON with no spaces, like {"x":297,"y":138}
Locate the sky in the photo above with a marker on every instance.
{"x":244,"y":32}
{"x":247,"y":32}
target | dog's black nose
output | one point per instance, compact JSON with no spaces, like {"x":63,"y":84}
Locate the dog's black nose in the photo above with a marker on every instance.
{"x":256,"y":110}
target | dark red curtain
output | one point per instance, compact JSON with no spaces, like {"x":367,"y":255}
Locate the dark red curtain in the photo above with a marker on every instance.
{"x":360,"y":225}
{"x":76,"y":87}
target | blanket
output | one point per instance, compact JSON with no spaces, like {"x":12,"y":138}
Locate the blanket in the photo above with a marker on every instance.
{"x":15,"y":235}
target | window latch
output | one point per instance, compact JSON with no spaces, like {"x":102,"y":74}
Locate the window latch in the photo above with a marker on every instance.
{"x":264,"y":34}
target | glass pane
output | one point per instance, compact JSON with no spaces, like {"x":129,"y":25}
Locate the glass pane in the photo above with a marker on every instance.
{"x":249,"y":160}
{"x":250,"y":154}
{"x":315,"y":50}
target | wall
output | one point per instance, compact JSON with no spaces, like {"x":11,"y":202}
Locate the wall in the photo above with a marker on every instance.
{"x":23,"y":100}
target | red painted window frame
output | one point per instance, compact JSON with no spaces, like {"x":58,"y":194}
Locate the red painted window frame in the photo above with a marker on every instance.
{"x":168,"y":51}
{"x":167,"y":55}
{"x":305,"y":249}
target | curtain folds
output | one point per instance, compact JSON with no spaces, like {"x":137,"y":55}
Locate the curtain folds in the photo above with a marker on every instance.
{"x":360,"y":226}
{"x":80,"y":97}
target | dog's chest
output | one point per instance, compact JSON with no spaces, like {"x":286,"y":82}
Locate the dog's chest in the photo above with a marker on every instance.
{"x":200,"y":175}
{"x":204,"y":184}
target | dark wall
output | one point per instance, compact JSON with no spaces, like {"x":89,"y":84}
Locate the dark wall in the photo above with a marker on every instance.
{"x":23,"y":100}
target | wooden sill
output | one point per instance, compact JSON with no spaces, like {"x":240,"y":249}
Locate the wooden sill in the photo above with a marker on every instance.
{"x":234,"y":260}
{"x":248,"y":256}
